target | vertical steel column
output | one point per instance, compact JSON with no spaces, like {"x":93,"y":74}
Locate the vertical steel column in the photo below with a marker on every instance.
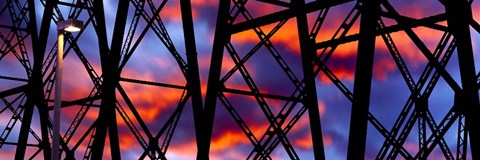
{"x":34,"y":91}
{"x":25,"y":127}
{"x":308,"y":53}
{"x":193,"y":76}
{"x":459,"y":15}
{"x":222,"y":36}
{"x":103,"y":117}
{"x":111,"y":75}
{"x":115,"y":52}
{"x":363,"y":79}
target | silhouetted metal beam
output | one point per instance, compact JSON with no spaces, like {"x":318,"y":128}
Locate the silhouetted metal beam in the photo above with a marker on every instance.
{"x":24,"y":130}
{"x":12,"y":27}
{"x":363,"y":79}
{"x":308,"y":54}
{"x":13,"y":143}
{"x":13,"y":91}
{"x":81,"y":101}
{"x":204,"y":117}
{"x":111,"y":75}
{"x":158,"y":84}
{"x":284,"y":14}
{"x":389,"y":29}
{"x":459,"y":13}
{"x":13,"y":78}
{"x":136,"y":114}
{"x":109,"y":61}
{"x":221,"y":38}
{"x":276,"y":2}
{"x":475,"y":25}
{"x":429,"y":22}
{"x":34,"y":92}
{"x":193,"y":76}
{"x":271,"y":96}
{"x":72,"y":5}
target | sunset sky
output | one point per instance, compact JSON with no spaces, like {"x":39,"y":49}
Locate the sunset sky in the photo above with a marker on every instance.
{"x":151,"y":61}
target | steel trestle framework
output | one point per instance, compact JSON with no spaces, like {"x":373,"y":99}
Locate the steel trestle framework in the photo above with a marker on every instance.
{"x":108,"y":108}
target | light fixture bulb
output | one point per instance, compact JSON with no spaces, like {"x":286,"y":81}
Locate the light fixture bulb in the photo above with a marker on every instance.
{"x":72,"y":29}
{"x":70,"y":25}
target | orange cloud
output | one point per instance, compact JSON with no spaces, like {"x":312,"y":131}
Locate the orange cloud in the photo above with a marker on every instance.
{"x":305,"y":142}
{"x":476,"y":10}
{"x":150,"y":101}
{"x":221,"y":146}
{"x":287,"y":37}
{"x":203,"y":3}
{"x":321,"y":108}
{"x":382,"y":67}
{"x":187,"y":150}
{"x":343,"y":73}
{"x":171,"y":11}
{"x":68,"y":114}
{"x":76,"y":80}
{"x":7,"y":155}
{"x":228,"y":139}
{"x":161,"y":70}
{"x":128,"y":142}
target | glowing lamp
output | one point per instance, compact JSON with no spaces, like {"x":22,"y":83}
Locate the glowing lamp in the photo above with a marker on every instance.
{"x":70,"y":25}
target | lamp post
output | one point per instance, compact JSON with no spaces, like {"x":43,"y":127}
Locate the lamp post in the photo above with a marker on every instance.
{"x":70,"y":25}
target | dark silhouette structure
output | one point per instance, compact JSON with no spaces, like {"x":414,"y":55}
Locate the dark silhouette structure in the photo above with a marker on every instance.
{"x":29,"y":98}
